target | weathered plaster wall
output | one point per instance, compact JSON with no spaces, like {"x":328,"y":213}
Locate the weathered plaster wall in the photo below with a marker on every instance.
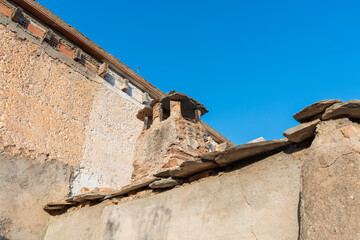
{"x":110,"y":141}
{"x":257,"y":201}
{"x":49,"y":110}
{"x":167,"y":144}
{"x":25,"y":187}
{"x":330,"y":205}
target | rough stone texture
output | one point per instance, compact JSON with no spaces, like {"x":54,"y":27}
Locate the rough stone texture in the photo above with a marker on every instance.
{"x":330,"y":200}
{"x":43,"y":102}
{"x":210,"y":156}
{"x":301,"y":132}
{"x":167,"y":144}
{"x":244,"y":151}
{"x":314,"y":110}
{"x":191,"y":167}
{"x":25,"y":187}
{"x":48,"y":110}
{"x":349,"y":109}
{"x":257,"y":201}
{"x":132,"y":187}
{"x":165,"y":183}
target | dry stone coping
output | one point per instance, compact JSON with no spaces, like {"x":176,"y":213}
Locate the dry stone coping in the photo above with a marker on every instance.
{"x":165,"y":183}
{"x":210,"y":156}
{"x":191,"y":167}
{"x":302,"y":131}
{"x":89,"y":196}
{"x":349,"y":109}
{"x":132,"y":187}
{"x":315,"y":109}
{"x":240,"y":152}
{"x":58,"y":205}
{"x":163,"y":174}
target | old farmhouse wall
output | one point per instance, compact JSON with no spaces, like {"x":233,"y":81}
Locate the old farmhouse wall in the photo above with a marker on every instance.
{"x":256,"y":201}
{"x":54,"y":108}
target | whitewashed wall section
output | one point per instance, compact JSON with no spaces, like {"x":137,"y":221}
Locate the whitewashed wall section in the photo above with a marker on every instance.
{"x":111,"y":136}
{"x":116,"y":80}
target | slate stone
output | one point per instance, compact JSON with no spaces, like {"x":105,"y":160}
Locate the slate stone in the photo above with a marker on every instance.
{"x":210,"y":156}
{"x":163,"y":174}
{"x":165,"y":183}
{"x":83,"y":197}
{"x":240,"y":152}
{"x":302,"y":131}
{"x":192,"y":167}
{"x":314,"y":110}
{"x":132,"y":187}
{"x":349,"y":109}
{"x":58,"y":205}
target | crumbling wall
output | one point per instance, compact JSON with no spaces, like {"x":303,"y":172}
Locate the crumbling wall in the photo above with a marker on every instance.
{"x":256,"y":201}
{"x":330,"y":206}
{"x":167,"y":144}
{"x":25,"y":187}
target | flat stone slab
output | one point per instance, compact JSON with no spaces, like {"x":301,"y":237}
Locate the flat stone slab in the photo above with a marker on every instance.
{"x":302,"y":131}
{"x":132,"y":187}
{"x":349,"y":109}
{"x":210,"y":156}
{"x":192,"y":167}
{"x":88,"y":196}
{"x":165,"y":183}
{"x":313,"y":110}
{"x":240,"y":152}
{"x":58,"y":205}
{"x":163,"y":174}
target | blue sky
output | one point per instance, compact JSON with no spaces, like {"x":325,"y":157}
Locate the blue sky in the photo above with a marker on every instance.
{"x":253,"y":64}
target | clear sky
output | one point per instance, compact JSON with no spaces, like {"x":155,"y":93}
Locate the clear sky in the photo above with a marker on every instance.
{"x":253,"y":64}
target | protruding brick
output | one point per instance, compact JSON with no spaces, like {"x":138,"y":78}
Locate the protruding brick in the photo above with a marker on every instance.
{"x":103,"y":69}
{"x":77,"y":54}
{"x":47,"y":35}
{"x":145,"y":98}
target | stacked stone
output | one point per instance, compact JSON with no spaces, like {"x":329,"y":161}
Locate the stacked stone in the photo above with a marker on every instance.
{"x":324,"y":110}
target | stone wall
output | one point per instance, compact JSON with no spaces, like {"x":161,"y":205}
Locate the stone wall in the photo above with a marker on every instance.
{"x":256,"y":201}
{"x":330,"y":206}
{"x":49,"y":109}
{"x":25,"y":187}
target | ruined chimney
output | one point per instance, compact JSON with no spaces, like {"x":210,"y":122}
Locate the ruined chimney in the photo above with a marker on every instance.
{"x":172,"y":133}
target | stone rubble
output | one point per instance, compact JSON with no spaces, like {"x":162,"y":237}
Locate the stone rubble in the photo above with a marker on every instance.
{"x":165,"y":183}
{"x":249,"y":150}
{"x":191,"y":167}
{"x":313,"y":111}
{"x":301,"y":132}
{"x":349,"y":109}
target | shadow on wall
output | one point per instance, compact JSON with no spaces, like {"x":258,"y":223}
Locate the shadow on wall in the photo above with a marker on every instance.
{"x":154,"y":225}
{"x":157,"y":225}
